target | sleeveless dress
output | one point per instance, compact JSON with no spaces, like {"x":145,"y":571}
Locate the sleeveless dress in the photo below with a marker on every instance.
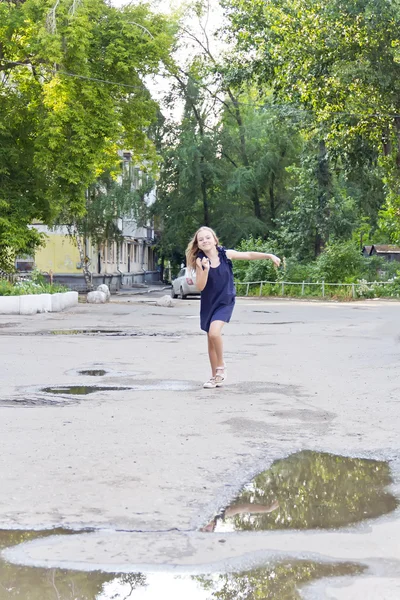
{"x":218,"y":297}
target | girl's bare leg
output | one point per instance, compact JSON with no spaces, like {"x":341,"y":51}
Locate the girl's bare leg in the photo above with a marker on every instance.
{"x":212,"y":355}
{"x":215,"y":346}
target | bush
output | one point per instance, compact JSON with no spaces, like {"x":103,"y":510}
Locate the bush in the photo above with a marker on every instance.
{"x":6,"y":288}
{"x":23,"y":288}
{"x":340,"y":262}
{"x":255,"y":270}
{"x":296,"y":271}
{"x":377,"y":268}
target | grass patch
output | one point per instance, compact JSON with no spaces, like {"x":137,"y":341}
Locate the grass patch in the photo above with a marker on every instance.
{"x":24,"y":288}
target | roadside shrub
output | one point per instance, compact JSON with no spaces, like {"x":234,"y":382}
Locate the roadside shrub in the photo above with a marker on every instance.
{"x":255,"y":270}
{"x":340,"y":262}
{"x":377,"y":268}
{"x":292,"y":270}
{"x":26,"y":287}
{"x":5,"y":288}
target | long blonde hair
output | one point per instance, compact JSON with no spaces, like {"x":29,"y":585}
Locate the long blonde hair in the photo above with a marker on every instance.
{"x":193,"y":247}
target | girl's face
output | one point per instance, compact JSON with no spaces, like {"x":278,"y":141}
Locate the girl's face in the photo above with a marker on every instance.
{"x":205,"y":240}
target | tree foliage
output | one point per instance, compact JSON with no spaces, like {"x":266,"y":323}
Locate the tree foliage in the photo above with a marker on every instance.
{"x":301,"y":145}
{"x":339,"y":63}
{"x":71,"y":93}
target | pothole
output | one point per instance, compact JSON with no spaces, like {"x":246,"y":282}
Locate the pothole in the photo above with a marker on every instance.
{"x":310,"y":490}
{"x":111,"y":332}
{"x":275,"y":579}
{"x":83,"y":390}
{"x":104,"y":370}
{"x":282,"y":580}
{"x":33,"y":401}
{"x":98,"y":332}
{"x":93,"y":372}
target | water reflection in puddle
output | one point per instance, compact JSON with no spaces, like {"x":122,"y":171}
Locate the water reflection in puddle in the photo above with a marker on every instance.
{"x":310,"y":490}
{"x":84,"y":390}
{"x":274,"y":581}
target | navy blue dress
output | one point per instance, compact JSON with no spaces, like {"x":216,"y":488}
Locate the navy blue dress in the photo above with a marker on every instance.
{"x":218,"y":297}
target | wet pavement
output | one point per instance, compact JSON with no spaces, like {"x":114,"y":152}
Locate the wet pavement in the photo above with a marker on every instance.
{"x":282,"y":484}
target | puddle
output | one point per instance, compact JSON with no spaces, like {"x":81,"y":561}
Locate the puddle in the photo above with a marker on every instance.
{"x":310,"y":490}
{"x":93,"y":372}
{"x":102,"y":369}
{"x":82,"y":332}
{"x":84,"y":390}
{"x":97,"y":332}
{"x":110,"y":332}
{"x":274,"y":581}
{"x":281,"y":581}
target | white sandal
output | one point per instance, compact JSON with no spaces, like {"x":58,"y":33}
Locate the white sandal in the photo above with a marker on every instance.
{"x":220,"y":378}
{"x":211,"y":383}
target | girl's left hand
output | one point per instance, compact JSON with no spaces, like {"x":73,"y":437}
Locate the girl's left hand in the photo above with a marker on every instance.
{"x":276,"y":260}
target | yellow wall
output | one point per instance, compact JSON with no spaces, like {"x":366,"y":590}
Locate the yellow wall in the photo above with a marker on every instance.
{"x":59,"y":255}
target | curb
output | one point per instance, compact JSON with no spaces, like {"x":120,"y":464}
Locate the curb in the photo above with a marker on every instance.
{"x":32,"y":304}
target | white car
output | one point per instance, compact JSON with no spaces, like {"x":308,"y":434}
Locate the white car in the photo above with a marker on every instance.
{"x":185,"y":284}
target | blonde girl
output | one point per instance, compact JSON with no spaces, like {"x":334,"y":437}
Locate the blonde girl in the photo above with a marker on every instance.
{"x":214,"y":279}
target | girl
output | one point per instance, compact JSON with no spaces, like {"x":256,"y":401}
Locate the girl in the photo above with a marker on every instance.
{"x":214,"y":278}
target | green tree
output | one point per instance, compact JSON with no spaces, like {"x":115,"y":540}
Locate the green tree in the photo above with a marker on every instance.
{"x":109,"y":200}
{"x":189,"y":170}
{"x":339,"y":62}
{"x":72,"y":92}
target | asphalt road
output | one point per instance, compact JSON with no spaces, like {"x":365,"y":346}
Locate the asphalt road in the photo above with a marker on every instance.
{"x":147,"y":467}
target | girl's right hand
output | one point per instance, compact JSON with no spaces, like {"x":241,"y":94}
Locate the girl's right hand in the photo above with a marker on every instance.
{"x":204,"y":263}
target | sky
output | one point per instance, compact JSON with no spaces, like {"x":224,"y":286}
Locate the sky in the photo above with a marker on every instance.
{"x":158,"y":86}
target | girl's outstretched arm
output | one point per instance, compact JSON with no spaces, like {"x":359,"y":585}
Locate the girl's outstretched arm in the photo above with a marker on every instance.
{"x":234,"y":255}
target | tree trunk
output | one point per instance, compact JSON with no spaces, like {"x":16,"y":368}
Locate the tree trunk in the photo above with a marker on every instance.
{"x":397,"y":131}
{"x":386,"y":142}
{"x":84,"y":261}
{"x":204,"y":195}
{"x":272,"y":206}
{"x":324,"y":184}
{"x":243,"y":151}
{"x":318,"y":244}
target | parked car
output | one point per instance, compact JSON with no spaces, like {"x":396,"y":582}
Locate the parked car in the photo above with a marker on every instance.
{"x":185,"y":284}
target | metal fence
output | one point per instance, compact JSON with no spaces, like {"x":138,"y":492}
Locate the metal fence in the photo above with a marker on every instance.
{"x":11,"y":277}
{"x":322,"y":285}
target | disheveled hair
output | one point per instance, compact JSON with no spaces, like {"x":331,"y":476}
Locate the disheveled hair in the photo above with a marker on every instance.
{"x":192,"y":250}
